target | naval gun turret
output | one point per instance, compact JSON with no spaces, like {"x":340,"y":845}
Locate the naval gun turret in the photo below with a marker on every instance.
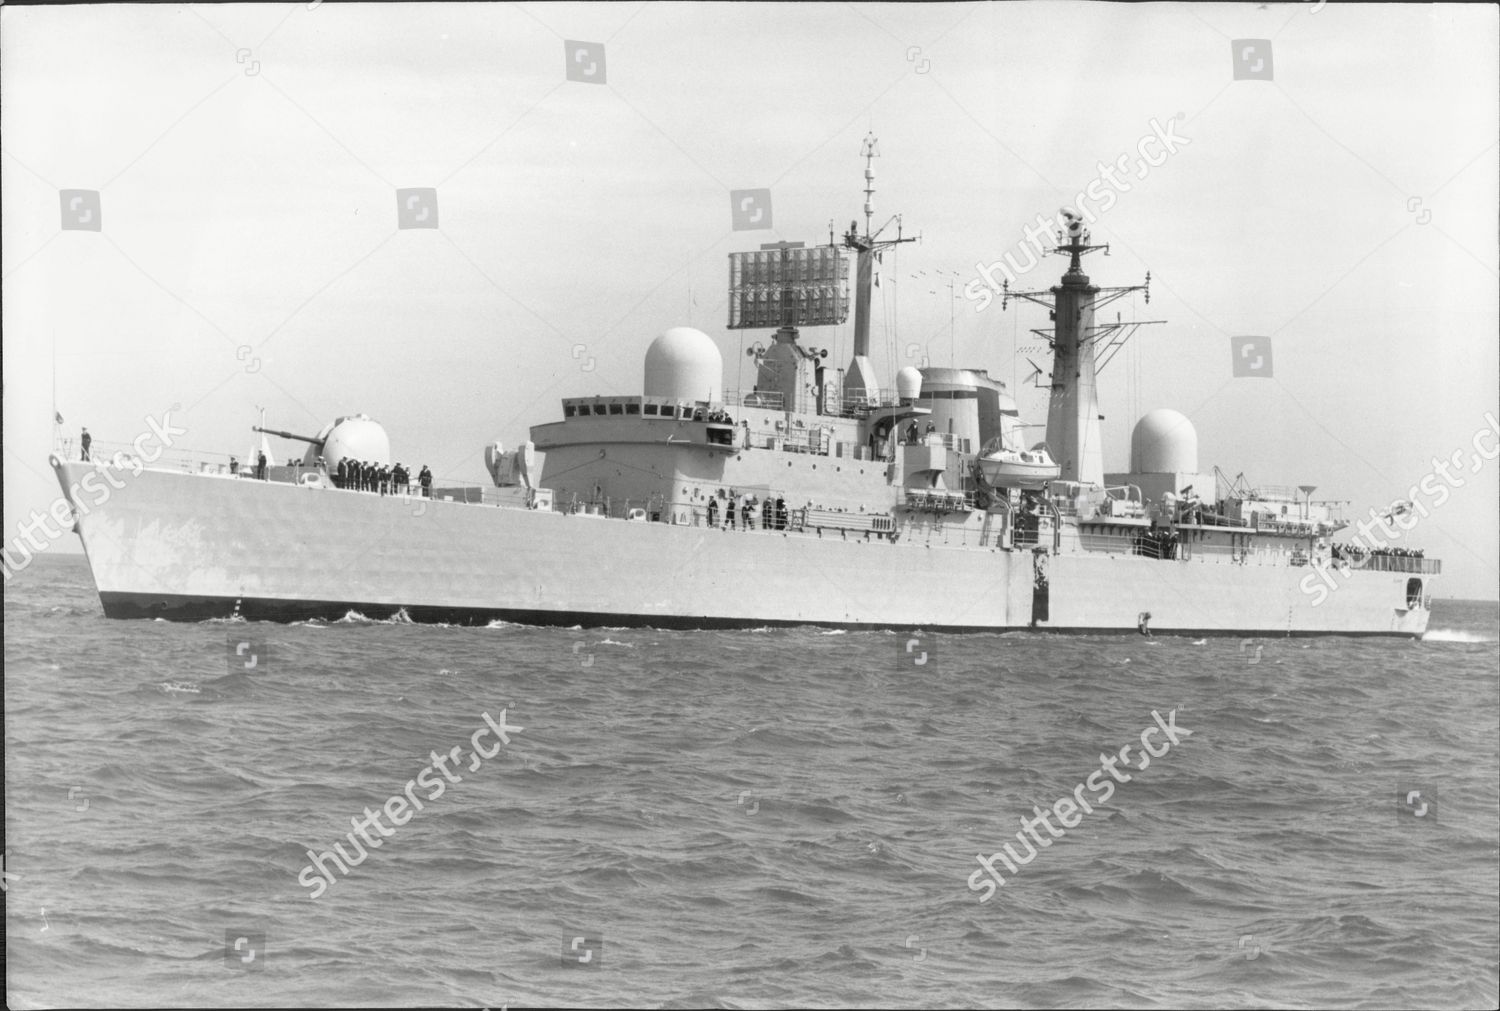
{"x":352,"y":437}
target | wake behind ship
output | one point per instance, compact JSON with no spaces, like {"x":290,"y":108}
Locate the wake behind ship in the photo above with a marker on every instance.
{"x":816,"y":497}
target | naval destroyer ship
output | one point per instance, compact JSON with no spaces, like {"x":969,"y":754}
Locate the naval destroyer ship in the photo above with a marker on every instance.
{"x":815,"y":497}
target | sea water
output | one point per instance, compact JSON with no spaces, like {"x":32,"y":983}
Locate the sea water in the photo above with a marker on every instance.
{"x":760,"y":818}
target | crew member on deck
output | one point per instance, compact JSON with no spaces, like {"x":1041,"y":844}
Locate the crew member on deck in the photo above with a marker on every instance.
{"x":713,"y":512}
{"x":424,"y":478}
{"x":234,"y":465}
{"x":260,"y":466}
{"x":86,"y":440}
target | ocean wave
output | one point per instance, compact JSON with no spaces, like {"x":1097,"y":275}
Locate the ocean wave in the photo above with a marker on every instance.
{"x":1454,"y":635}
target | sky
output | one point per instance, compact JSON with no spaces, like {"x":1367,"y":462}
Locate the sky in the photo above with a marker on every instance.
{"x":1332,"y":187}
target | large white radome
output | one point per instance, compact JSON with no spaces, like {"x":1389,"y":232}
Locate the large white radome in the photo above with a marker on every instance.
{"x":684,"y":364}
{"x":1164,"y":442}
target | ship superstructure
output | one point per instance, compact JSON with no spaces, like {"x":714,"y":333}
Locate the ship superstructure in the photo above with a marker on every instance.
{"x":816,"y":496}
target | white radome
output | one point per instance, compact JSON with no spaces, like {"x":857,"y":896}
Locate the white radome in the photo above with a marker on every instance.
{"x":684,"y":364}
{"x":1164,"y":442}
{"x":909,"y":383}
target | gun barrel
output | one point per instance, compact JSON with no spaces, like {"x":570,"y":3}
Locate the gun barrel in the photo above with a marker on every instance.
{"x":288,"y":435}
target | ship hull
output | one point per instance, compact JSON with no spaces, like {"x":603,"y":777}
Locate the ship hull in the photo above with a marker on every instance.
{"x":192,"y":547}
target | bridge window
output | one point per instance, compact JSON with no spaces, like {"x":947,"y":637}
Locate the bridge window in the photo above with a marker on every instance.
{"x":569,"y":410}
{"x":599,"y":408}
{"x":616,"y":408}
{"x":650,"y":409}
{"x":632,"y":408}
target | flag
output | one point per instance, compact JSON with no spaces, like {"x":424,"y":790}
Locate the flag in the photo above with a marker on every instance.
{"x":58,"y":415}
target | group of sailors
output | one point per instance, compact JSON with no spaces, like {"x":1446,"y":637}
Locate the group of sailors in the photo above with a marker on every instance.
{"x":1158,"y":542}
{"x":770,"y":515}
{"x":356,"y":475}
{"x":1358,"y":552}
{"x":261,"y":466}
{"x":384,"y":479}
{"x":912,"y":438}
{"x":716,"y":416}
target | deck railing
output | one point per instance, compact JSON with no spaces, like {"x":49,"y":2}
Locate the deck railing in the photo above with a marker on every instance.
{"x":771,"y":400}
{"x":154,"y":457}
{"x":1395,"y":563}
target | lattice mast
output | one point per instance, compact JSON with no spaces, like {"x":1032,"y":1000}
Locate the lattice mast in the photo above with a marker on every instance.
{"x":1073,"y":435}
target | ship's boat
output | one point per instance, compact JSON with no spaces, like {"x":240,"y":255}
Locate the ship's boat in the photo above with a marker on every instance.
{"x":1004,"y":467}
